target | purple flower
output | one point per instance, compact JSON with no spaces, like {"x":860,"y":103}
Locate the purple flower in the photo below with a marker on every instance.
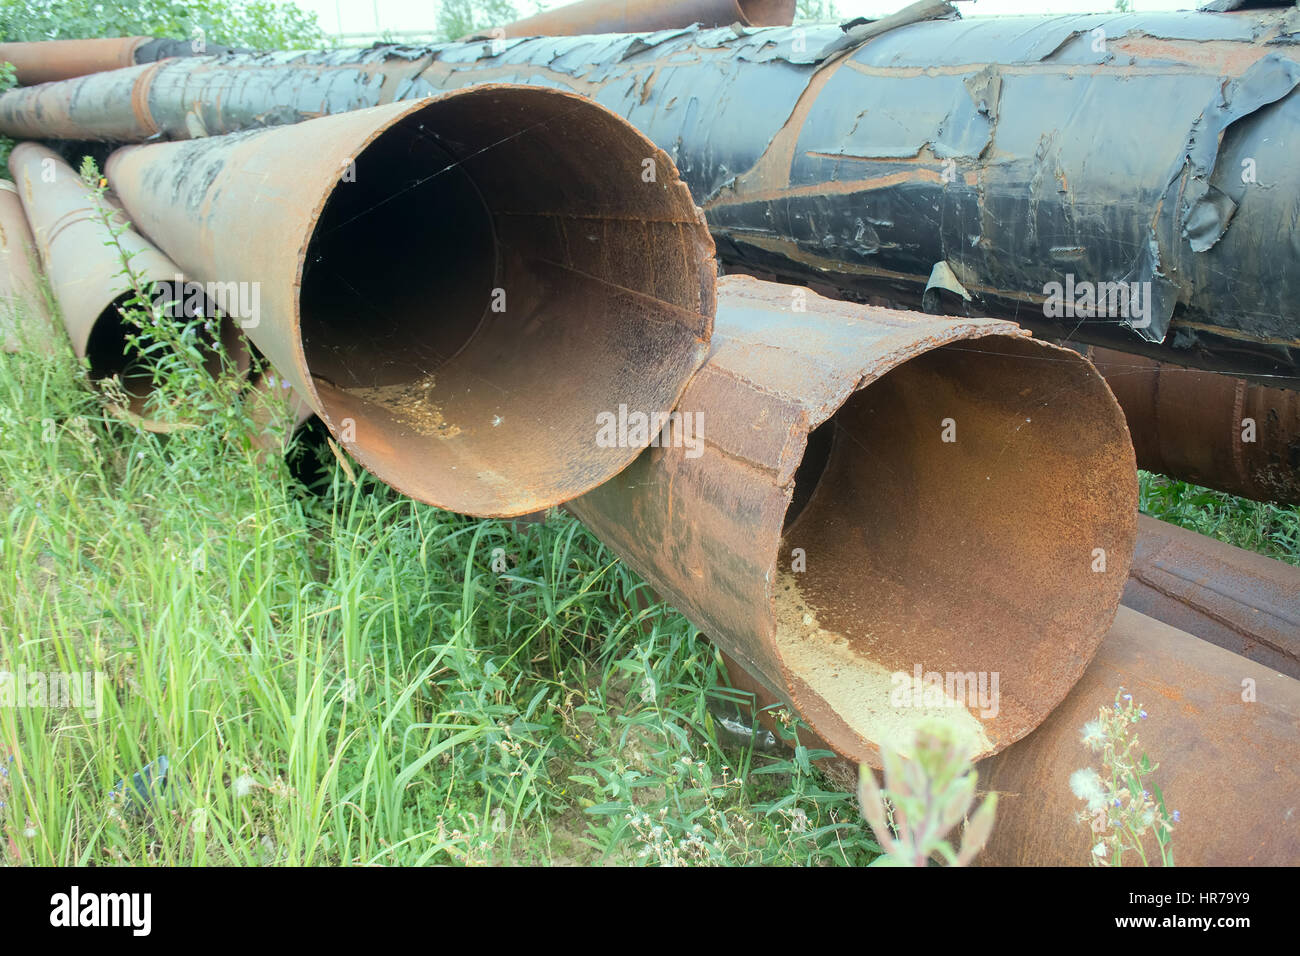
{"x":1142,"y":714}
{"x":1178,"y":815}
{"x":1117,"y":803}
{"x":1128,"y":696}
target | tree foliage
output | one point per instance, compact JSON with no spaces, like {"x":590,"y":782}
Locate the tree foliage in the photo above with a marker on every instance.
{"x":258,"y":24}
{"x":457,"y":18}
{"x":815,"y":10}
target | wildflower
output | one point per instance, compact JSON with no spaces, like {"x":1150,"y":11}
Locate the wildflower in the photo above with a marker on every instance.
{"x":243,"y":785}
{"x":1142,"y":714}
{"x":1086,"y":784}
{"x":30,"y":831}
{"x":1100,"y":849}
{"x":1177,"y":816}
{"x":1092,"y":734}
{"x":1128,"y":696}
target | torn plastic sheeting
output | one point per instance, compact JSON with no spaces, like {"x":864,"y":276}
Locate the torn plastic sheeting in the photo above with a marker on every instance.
{"x":1207,"y":210}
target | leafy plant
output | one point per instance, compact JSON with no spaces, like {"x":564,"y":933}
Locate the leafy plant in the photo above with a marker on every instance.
{"x":1121,"y":812}
{"x":927,"y":792}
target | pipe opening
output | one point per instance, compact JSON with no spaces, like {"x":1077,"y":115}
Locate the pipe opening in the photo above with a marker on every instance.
{"x":808,"y":475}
{"x":108,"y":352}
{"x":500,"y":268}
{"x":954,"y":532}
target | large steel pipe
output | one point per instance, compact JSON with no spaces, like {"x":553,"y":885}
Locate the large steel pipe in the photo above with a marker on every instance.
{"x":45,"y":61}
{"x":457,"y":286}
{"x":1233,"y":598}
{"x":856,"y":492}
{"x":1008,"y":161}
{"x":1225,"y":732}
{"x":1209,"y":429}
{"x":25,"y":319}
{"x":632,"y":16}
{"x":85,"y":269}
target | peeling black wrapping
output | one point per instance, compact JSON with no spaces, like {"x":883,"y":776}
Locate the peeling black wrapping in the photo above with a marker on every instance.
{"x":1022,"y":153}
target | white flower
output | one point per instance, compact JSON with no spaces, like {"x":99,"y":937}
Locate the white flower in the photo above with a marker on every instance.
{"x":1086,"y":785}
{"x":1099,"y":850}
{"x":243,"y":785}
{"x":1092,"y":735}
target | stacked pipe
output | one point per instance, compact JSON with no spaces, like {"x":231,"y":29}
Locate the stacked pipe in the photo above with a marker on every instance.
{"x":842,"y":492}
{"x":1023,"y":171}
{"x":82,"y":242}
{"x":633,"y":16}
{"x":25,"y":319}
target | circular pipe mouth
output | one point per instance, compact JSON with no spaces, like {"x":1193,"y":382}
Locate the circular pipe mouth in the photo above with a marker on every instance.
{"x":496,"y":272}
{"x":109,"y":353}
{"x":968,"y":521}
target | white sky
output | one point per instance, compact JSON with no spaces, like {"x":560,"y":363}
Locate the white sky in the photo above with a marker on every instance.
{"x":356,"y":16}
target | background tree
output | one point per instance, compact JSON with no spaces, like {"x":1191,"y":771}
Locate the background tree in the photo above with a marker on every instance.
{"x":258,"y":24}
{"x":456,"y":18}
{"x":815,"y":10}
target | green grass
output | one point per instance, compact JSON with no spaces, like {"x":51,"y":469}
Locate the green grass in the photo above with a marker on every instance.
{"x":1269,"y":529}
{"x":339,"y":676}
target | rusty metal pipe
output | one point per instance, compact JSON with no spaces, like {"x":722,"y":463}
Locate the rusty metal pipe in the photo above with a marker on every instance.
{"x":822,"y":530}
{"x":1230,"y":766}
{"x":86,"y":271}
{"x":102,"y":106}
{"x":1210,"y":429}
{"x":48,"y":61}
{"x":45,"y":61}
{"x":25,"y":316}
{"x":1224,"y":730}
{"x":456,"y":286}
{"x":1021,"y":155}
{"x":634,"y":16}
{"x":1235,"y":599}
